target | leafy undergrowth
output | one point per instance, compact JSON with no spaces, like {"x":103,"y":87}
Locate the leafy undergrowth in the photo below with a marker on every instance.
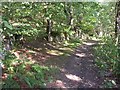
{"x":27,"y":73}
{"x":24,"y":73}
{"x":107,"y":60}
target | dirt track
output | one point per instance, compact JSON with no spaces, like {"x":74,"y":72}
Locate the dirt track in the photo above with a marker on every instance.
{"x":77,"y":70}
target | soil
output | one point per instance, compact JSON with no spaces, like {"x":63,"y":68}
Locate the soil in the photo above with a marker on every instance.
{"x":77,"y":70}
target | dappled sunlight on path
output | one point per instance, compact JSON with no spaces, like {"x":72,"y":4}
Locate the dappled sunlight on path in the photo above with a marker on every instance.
{"x":75,"y":67}
{"x":78,"y":69}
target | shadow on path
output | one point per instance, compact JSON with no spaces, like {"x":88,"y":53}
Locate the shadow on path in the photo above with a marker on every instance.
{"x":77,"y":70}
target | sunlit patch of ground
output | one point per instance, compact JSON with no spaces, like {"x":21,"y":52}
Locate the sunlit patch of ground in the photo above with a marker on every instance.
{"x":88,"y":43}
{"x":55,"y":52}
{"x":60,"y":51}
{"x":80,"y":54}
{"x":66,"y":49}
{"x":95,"y":39}
{"x":62,"y":69}
{"x":73,"y":77}
{"x":23,"y":54}
{"x":57,"y":84}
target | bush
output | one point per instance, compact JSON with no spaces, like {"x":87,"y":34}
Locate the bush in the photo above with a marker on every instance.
{"x":24,"y":73}
{"x":107,"y":56}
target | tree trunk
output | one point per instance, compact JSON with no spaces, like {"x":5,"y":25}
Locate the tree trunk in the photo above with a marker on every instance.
{"x":1,"y":47}
{"x":69,"y":15}
{"x":48,"y":30}
{"x":118,"y":26}
{"x":116,"y":21}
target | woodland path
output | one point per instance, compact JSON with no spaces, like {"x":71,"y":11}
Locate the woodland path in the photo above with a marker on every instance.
{"x":78,"y":70}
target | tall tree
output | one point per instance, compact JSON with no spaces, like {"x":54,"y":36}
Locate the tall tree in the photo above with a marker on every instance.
{"x":117,"y":25}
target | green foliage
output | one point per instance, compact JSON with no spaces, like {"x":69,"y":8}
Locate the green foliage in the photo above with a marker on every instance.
{"x":10,"y":83}
{"x":75,"y":40}
{"x":109,"y":84}
{"x":107,"y":55}
{"x":55,"y":33}
{"x":7,"y":25}
{"x":107,"y":59}
{"x":29,"y":19}
{"x":24,"y":72}
{"x":68,"y":21}
{"x":7,"y":28}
